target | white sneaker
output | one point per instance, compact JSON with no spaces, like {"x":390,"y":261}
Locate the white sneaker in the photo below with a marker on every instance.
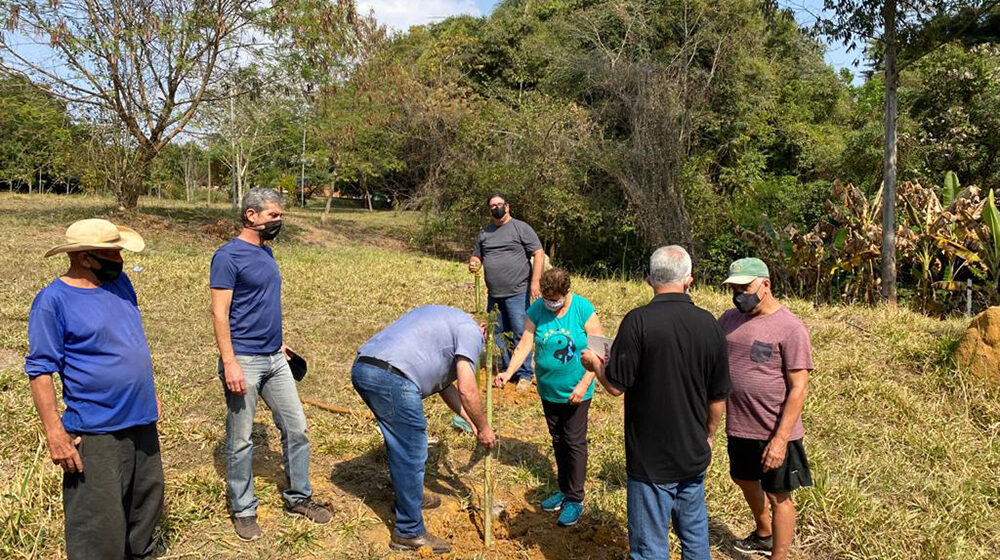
{"x":523,"y":384}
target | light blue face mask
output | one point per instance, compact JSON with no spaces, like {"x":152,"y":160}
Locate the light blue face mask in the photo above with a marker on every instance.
{"x":554,"y":306}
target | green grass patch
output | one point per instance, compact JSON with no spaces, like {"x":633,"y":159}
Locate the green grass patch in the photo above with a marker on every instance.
{"x":904,"y":449}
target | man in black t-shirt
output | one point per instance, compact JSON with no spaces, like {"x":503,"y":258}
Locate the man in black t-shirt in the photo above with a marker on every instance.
{"x":669,"y":359}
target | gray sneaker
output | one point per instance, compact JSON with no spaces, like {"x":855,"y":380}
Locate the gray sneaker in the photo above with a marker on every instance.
{"x":313,"y":511}
{"x":523,"y":384}
{"x":754,"y":544}
{"x":246,"y":528}
{"x":437,"y":545}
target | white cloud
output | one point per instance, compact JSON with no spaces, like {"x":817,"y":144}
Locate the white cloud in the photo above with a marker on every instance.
{"x":399,"y":15}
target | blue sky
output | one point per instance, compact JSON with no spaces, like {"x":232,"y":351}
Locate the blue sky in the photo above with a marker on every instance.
{"x":401,"y":14}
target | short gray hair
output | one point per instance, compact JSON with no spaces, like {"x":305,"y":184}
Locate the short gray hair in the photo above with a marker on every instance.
{"x":257,"y":198}
{"x":669,"y":265}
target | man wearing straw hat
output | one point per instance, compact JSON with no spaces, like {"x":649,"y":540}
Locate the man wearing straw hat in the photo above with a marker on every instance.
{"x":86,"y":327}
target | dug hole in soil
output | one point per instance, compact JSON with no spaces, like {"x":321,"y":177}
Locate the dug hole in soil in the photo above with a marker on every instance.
{"x":520,"y":529}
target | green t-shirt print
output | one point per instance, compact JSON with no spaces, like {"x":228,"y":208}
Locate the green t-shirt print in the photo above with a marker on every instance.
{"x":558,"y":344}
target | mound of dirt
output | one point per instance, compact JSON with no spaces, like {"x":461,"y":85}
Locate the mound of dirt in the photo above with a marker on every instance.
{"x":222,"y":228}
{"x":979,"y":348}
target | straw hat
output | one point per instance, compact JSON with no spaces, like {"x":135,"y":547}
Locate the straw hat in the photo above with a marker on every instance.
{"x":95,"y":233}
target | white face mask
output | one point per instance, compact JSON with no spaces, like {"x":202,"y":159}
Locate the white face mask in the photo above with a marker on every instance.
{"x":554,"y":306}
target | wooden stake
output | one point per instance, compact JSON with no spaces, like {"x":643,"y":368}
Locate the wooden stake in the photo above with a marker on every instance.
{"x":487,"y":479}
{"x":479,"y":300}
{"x":335,"y":409}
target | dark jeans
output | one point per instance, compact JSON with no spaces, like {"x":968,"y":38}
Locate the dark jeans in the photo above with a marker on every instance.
{"x":511,"y":312}
{"x":650,"y":509}
{"x":112,"y":507}
{"x":568,"y":428}
{"x":399,"y":409}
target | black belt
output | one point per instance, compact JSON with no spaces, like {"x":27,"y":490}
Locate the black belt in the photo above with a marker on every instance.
{"x":381,"y":364}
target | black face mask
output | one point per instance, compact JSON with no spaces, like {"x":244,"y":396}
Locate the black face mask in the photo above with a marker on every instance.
{"x":746,"y":302}
{"x":110,"y":270}
{"x":270,"y":230}
{"x":498,"y":212}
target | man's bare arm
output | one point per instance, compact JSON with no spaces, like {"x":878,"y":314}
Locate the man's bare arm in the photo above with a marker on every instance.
{"x":62,"y":449}
{"x":221,"y":301}
{"x":469,"y":395}
{"x":453,"y":399}
{"x":715,"y":411}
{"x":537,"y":267}
{"x":798,"y":387}
{"x":591,"y":362}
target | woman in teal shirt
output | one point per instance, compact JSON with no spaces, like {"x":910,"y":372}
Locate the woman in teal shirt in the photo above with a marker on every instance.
{"x":557,"y":327}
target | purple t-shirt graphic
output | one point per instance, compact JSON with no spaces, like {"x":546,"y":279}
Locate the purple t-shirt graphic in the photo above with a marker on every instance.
{"x":762,"y":350}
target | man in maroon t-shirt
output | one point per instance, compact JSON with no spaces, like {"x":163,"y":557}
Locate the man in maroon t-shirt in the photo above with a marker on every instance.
{"x":770,"y":358}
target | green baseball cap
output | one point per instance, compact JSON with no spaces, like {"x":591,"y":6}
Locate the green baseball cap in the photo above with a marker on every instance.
{"x":747,"y":270}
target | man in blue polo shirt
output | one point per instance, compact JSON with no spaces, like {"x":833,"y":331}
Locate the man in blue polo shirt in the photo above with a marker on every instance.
{"x":85,"y":326}
{"x":246,"y":316}
{"x":423,"y":353}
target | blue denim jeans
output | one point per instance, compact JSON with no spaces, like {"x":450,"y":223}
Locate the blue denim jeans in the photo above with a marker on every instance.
{"x":399,"y":409}
{"x":269,"y":378}
{"x":511,"y":312}
{"x":650,"y":509}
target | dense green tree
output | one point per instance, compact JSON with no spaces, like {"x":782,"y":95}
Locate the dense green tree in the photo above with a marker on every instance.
{"x":903,"y":32}
{"x":37,"y":136}
{"x":953,"y":102}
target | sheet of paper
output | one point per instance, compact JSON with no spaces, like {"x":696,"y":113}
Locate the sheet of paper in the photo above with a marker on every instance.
{"x":600,"y":345}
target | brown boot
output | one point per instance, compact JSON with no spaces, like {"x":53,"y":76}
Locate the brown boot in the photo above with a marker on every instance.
{"x":439,"y":546}
{"x":430,"y":501}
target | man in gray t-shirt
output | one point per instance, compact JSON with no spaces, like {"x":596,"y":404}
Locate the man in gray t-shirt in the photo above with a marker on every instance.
{"x":504,"y":248}
{"x":424,"y":352}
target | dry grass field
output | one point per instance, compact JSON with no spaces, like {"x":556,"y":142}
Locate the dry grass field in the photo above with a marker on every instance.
{"x":905,"y":450}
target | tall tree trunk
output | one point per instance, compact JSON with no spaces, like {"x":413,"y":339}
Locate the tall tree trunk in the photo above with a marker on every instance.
{"x":368,"y":194}
{"x":188,"y":168}
{"x":132,"y":181}
{"x":889,"y":159}
{"x":329,"y":199}
{"x":128,"y":192}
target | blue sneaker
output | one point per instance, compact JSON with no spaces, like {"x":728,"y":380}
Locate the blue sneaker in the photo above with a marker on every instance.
{"x":554,"y":503}
{"x":571,"y":512}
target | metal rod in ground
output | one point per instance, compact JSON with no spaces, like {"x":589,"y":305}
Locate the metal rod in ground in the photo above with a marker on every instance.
{"x":487,"y":480}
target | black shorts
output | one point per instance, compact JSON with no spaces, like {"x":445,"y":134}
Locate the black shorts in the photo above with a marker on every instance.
{"x":745,"y":464}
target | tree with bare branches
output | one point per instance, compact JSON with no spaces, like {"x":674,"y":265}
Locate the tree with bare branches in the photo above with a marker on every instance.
{"x":149,"y":64}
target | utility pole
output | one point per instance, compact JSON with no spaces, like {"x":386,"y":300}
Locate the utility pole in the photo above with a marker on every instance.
{"x":302,"y":176}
